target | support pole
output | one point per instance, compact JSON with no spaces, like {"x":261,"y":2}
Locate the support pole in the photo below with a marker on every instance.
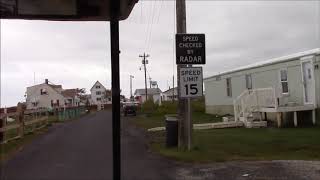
{"x":295,"y":119}
{"x":314,"y":117}
{"x":115,"y":71}
{"x":145,"y":77}
{"x":279,"y":119}
{"x":183,"y":106}
{"x":144,"y":62}
{"x":131,"y":87}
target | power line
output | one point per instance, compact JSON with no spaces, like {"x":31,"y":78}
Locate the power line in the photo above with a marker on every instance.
{"x":152,"y":22}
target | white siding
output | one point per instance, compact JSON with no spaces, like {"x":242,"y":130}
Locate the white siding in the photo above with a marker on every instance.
{"x":44,"y":101}
{"x":262,"y":77}
{"x":94,"y":95}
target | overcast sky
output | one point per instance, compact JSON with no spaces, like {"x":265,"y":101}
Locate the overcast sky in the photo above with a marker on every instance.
{"x":76,"y":54}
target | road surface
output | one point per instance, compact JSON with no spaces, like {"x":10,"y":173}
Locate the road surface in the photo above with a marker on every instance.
{"x":82,"y":150}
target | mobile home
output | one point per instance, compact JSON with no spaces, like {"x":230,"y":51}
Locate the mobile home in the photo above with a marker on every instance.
{"x":281,"y":88}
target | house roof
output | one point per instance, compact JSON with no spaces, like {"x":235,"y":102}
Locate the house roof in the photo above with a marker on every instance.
{"x":69,"y":92}
{"x":55,"y":86}
{"x":170,"y":90}
{"x":270,"y":62}
{"x":150,"y":91}
{"x":97,"y":82}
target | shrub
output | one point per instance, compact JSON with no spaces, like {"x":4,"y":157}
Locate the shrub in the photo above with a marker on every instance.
{"x":168,"y":107}
{"x":198,"y":105}
{"x":149,"y":106}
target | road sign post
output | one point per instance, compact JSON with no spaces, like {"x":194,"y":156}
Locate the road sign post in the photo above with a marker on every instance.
{"x":190,"y":49}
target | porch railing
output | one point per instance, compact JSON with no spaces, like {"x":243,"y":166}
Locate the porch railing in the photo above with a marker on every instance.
{"x":253,"y":100}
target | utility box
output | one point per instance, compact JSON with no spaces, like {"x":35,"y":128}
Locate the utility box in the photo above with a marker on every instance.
{"x":171,"y":130}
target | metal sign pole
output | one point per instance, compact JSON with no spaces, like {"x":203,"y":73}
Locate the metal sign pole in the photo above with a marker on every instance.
{"x":115,"y":71}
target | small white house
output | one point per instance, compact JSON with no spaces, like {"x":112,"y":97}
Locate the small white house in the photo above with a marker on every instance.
{"x":100,"y":95}
{"x":154,"y":93}
{"x":50,"y":96}
{"x":170,"y":94}
{"x":283,"y":86}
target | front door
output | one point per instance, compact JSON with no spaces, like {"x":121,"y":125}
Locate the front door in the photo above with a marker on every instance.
{"x":308,"y":82}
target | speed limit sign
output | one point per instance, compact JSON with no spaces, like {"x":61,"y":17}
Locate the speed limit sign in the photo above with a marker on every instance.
{"x":191,"y":82}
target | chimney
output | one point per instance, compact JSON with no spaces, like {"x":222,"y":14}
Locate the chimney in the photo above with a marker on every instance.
{"x":46,"y":81}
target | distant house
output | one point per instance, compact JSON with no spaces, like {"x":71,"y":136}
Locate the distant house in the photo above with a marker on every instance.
{"x":170,"y":94}
{"x":154,"y":93}
{"x":71,"y":96}
{"x":100,"y":95}
{"x":50,"y":96}
{"x":283,"y":86}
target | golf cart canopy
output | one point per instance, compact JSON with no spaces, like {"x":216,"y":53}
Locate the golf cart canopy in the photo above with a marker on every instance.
{"x":63,"y":10}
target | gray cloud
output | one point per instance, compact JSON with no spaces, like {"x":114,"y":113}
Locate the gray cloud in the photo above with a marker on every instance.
{"x":76,"y":54}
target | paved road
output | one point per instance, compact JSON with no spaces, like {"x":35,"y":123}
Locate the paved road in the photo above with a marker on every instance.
{"x":81,"y":150}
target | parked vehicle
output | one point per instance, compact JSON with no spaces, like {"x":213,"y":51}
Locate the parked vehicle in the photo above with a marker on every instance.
{"x":129,"y":109}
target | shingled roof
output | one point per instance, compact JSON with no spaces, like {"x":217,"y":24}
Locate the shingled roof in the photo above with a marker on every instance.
{"x":69,"y":92}
{"x":151,"y":91}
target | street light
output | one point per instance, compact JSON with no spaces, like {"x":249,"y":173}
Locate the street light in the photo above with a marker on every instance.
{"x":131,"y":77}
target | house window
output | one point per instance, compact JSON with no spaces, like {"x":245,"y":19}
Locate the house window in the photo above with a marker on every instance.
{"x":97,"y":87}
{"x":248,"y":81}
{"x":229,"y":87}
{"x":98,"y":93}
{"x":43,"y":92}
{"x":98,"y":99}
{"x":284,"y":81}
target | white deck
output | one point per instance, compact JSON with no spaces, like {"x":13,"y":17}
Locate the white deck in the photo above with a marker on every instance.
{"x":288,"y":108}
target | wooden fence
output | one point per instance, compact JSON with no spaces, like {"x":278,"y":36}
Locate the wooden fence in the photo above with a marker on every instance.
{"x":14,"y":125}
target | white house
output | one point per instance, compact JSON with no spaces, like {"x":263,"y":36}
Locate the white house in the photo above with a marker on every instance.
{"x":288,"y":87}
{"x":50,"y":96}
{"x":154,"y":93}
{"x":170,"y":94}
{"x":100,"y":95}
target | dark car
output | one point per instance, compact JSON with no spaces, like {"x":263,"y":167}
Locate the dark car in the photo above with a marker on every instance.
{"x":129,"y":109}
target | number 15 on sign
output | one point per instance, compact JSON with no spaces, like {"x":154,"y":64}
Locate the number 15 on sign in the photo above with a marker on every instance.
{"x":191,"y":82}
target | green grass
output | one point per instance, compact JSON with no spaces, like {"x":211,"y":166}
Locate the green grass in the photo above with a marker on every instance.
{"x":148,"y":121}
{"x":245,"y":144}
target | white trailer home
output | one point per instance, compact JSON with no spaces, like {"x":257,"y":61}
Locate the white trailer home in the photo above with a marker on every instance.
{"x":281,"y":88}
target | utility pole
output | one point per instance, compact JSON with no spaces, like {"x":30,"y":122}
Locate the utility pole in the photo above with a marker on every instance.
{"x":150,"y":82}
{"x":173,"y":88}
{"x":185,"y":125}
{"x":131,"y":77}
{"x":144,"y":62}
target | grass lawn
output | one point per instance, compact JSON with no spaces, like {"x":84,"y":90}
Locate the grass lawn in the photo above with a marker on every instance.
{"x":158,"y":120}
{"x":245,"y":144}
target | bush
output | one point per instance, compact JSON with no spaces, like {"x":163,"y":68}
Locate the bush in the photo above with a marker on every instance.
{"x":149,"y":106}
{"x":168,"y":107}
{"x":198,"y":105}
